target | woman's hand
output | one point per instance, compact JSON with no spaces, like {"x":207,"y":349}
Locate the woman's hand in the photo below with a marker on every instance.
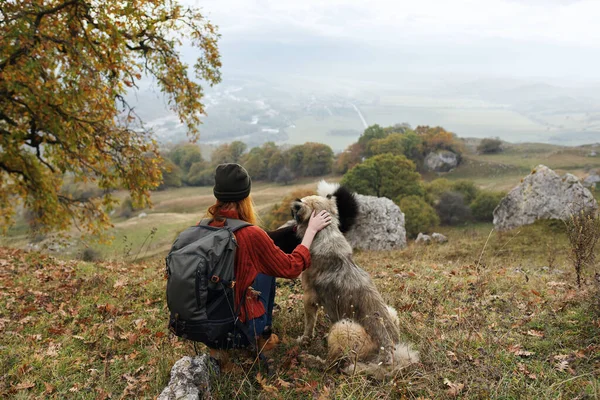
{"x":319,"y":221}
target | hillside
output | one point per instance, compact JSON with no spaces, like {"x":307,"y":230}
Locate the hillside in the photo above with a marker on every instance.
{"x":492,"y":316}
{"x":177,"y":208}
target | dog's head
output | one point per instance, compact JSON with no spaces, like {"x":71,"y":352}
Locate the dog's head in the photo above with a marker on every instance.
{"x":303,"y":208}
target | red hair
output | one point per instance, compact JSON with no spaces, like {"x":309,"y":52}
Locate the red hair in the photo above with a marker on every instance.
{"x":244,"y":208}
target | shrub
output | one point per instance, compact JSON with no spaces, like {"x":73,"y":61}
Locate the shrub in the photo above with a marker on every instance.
{"x":484,"y":205}
{"x":385,"y":175}
{"x":452,"y":209}
{"x":90,"y":255}
{"x":285,"y":176}
{"x":467,"y":189}
{"x":281,"y":213}
{"x":583,"y":231}
{"x":418,"y":215}
{"x":435,"y":189}
{"x":490,"y":146}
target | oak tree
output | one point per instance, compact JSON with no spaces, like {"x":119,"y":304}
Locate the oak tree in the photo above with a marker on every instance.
{"x":65,"y":69}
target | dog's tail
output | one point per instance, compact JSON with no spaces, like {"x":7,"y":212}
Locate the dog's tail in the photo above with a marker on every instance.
{"x":345,"y":200}
{"x":348,"y":339}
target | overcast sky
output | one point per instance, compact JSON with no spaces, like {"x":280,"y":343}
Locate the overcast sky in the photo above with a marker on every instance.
{"x":547,"y":38}
{"x":567,"y":22}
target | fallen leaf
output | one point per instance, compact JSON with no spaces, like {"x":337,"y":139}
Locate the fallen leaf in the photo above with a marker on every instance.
{"x":49,"y":388}
{"x":324,"y":394}
{"x":264,"y":385}
{"x":452,"y":356}
{"x":24,"y":385}
{"x":53,"y":349}
{"x":533,"y":332}
{"x":562,"y":365}
{"x":453,"y":388}
{"x":518,"y":351}
{"x":282,"y":383}
{"x":120,"y":283}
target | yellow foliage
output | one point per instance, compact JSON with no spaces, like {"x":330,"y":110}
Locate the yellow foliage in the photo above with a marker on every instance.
{"x":64,"y":69}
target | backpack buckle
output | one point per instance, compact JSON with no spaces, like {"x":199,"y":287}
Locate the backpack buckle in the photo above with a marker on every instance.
{"x":215,"y":279}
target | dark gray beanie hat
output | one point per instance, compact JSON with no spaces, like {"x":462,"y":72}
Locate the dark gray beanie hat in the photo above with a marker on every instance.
{"x":232,"y":183}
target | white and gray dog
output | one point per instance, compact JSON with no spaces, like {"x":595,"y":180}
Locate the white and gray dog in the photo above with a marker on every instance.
{"x":365,"y":330}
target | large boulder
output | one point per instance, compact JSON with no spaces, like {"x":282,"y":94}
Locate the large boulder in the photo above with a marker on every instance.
{"x":190,"y":379}
{"x":379,"y":225}
{"x":441,"y":161}
{"x":543,"y":194}
{"x":592,"y":180}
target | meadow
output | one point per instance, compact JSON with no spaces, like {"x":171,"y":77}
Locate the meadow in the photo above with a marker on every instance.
{"x":493,"y":315}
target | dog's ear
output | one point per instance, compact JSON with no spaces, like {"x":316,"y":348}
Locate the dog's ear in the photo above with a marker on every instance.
{"x":347,"y":206}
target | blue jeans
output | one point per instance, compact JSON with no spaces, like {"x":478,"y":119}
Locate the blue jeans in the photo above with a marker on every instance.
{"x":266,"y":286}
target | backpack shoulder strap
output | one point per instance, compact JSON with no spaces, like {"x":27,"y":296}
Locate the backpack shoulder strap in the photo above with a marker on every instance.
{"x":204,"y":221}
{"x":235,"y":224}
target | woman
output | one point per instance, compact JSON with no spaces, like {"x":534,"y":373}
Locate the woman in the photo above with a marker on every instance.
{"x":258,"y":259}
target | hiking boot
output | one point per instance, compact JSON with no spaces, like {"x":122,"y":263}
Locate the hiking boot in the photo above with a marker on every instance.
{"x":268,"y":344}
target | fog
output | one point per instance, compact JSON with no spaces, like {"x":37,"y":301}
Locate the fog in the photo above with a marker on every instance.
{"x":293,"y":71}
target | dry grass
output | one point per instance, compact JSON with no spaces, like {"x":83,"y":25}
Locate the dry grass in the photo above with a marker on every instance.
{"x":501,"y":324}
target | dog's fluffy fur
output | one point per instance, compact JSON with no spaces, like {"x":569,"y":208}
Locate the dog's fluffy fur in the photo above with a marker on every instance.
{"x":365,"y":329}
{"x":286,"y":239}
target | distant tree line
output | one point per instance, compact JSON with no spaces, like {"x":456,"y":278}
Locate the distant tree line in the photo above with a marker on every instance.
{"x":185,"y":165}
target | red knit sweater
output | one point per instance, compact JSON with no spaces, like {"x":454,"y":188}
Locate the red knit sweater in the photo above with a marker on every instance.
{"x":256,"y":254}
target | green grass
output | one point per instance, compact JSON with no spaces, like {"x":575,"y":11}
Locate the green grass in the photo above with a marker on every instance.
{"x":497,"y":315}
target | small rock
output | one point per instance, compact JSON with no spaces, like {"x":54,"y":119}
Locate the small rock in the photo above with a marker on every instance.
{"x":438,"y":237}
{"x":142,"y":215}
{"x":422,"y":238}
{"x":190,"y":379}
{"x":441,"y":161}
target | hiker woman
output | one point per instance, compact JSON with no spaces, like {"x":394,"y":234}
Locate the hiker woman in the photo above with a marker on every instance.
{"x":258,"y":259}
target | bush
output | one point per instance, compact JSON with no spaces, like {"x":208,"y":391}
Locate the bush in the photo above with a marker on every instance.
{"x":490,"y":146}
{"x":281,"y":212}
{"x":484,"y":205}
{"x":467,"y":189}
{"x":583,"y":231}
{"x":90,"y":255}
{"x":127,"y":208}
{"x":418,"y":215}
{"x":452,"y":209}
{"x":385,"y":175}
{"x":435,"y":189}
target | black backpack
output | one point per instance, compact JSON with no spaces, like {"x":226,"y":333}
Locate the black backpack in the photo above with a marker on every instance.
{"x":200,"y":286}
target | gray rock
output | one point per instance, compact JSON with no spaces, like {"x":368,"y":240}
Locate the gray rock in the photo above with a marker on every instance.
{"x":441,"y":161}
{"x":190,"y":379}
{"x":142,"y":215}
{"x":379,"y":225}
{"x":438,"y":237}
{"x":542,"y":195}
{"x":423,"y":238}
{"x":592,"y":180}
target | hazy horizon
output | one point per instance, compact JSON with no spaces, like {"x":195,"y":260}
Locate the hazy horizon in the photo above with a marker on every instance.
{"x":520,"y":70}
